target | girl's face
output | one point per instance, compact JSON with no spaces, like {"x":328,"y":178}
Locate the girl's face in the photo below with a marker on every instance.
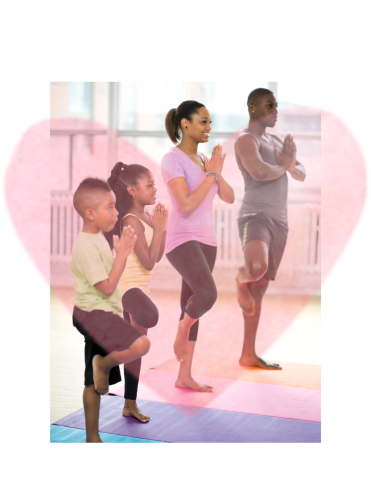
{"x":145,"y":190}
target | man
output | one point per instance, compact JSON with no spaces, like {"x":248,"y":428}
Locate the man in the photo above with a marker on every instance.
{"x":263,"y":159}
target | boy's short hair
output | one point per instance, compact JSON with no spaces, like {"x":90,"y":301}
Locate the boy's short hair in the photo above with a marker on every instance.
{"x":88,"y":192}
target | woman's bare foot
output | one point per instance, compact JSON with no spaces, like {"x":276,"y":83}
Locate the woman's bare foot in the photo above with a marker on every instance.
{"x":244,"y":297}
{"x":181,"y":342}
{"x":192,"y":384}
{"x":100,"y":376}
{"x":248,"y":361}
{"x":131,"y":409}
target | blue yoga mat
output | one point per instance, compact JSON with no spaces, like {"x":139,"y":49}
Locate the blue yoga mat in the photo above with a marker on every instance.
{"x":180,"y":424}
{"x":59,"y":434}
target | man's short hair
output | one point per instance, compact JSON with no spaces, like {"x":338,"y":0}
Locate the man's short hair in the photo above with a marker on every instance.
{"x":257,"y":94}
{"x":88,"y":191}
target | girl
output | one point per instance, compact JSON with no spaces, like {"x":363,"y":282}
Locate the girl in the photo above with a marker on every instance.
{"x":134,"y":187}
{"x":192,"y":181}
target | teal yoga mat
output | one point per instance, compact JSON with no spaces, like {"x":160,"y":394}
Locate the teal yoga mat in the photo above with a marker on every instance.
{"x":60,"y":434}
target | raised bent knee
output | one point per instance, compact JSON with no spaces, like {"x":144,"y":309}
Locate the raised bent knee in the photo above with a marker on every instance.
{"x":255,"y":271}
{"x":210,"y":296}
{"x":152,"y":320}
{"x":142,"y":345}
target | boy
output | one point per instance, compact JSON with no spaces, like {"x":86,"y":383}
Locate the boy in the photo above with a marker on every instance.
{"x":109,"y":340}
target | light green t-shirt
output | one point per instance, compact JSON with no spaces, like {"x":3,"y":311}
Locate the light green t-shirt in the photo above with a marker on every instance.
{"x":91,"y":262}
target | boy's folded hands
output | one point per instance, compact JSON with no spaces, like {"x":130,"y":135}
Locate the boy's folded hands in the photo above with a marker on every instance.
{"x":125,"y":244}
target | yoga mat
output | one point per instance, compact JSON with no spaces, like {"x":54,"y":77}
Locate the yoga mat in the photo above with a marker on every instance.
{"x":60,"y":434}
{"x":181,"y":424}
{"x":232,"y":395}
{"x":209,"y":365}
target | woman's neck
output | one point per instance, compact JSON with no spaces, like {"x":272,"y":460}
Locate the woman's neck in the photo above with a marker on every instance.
{"x":188,"y":146}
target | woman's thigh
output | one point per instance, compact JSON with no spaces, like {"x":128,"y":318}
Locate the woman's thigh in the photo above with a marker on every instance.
{"x":193,"y":261}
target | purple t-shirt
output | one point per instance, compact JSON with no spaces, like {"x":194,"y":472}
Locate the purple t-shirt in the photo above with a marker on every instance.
{"x":199,"y":224}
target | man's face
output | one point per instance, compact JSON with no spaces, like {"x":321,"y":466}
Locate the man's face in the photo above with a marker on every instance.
{"x":266,"y":110}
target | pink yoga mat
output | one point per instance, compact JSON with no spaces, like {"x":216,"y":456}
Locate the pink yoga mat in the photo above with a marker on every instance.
{"x":232,"y":395}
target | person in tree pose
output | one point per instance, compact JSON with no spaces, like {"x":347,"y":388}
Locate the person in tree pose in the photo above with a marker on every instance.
{"x":109,"y":340}
{"x":134,"y":187}
{"x":264,"y":160}
{"x":192,"y":181}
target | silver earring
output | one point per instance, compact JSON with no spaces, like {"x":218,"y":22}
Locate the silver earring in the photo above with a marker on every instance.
{"x":252,"y":111}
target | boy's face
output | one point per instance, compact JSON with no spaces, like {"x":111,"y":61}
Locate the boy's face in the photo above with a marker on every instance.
{"x":104,"y":215}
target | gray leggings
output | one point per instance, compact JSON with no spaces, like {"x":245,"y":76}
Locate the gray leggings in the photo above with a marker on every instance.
{"x":195,"y":262}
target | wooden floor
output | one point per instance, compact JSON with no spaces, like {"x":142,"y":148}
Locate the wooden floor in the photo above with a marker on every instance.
{"x":299,"y":342}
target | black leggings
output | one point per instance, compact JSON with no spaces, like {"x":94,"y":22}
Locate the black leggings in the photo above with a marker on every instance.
{"x":145,"y":314}
{"x":195,"y":262}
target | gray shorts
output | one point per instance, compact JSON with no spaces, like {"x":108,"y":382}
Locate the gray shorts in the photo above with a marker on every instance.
{"x":260,"y":226}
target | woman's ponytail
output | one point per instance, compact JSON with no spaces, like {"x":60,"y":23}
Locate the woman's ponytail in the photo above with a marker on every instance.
{"x":172,"y":126}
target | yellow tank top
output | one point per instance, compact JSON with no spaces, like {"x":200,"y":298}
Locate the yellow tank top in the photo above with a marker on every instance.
{"x":134,"y":274}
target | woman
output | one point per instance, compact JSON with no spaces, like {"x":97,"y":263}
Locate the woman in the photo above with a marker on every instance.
{"x":192,"y":181}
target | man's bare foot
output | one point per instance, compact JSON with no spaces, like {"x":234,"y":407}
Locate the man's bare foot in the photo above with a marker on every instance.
{"x":131,"y":409}
{"x":192,"y":384}
{"x":247,"y":361}
{"x":181,"y":342}
{"x":245,"y":299}
{"x":100,"y":376}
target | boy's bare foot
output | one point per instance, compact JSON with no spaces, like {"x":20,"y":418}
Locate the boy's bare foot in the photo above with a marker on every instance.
{"x":248,"y":361}
{"x":131,"y":409}
{"x":93,"y":439}
{"x":181,"y":342}
{"x":100,"y":376}
{"x":192,"y":384}
{"x":245,"y":299}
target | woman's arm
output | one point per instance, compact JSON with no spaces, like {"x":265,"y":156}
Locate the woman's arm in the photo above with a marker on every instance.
{"x":146,"y":255}
{"x":225,"y":191}
{"x":187,"y":201}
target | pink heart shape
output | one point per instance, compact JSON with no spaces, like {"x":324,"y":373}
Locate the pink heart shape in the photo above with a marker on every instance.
{"x":25,"y":193}
{"x":345,"y":189}
{"x":27,"y":188}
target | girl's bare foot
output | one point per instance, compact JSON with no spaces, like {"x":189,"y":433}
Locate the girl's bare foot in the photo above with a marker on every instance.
{"x":131,"y":409}
{"x":188,"y":382}
{"x":100,"y":376}
{"x":244,"y":297}
{"x":254,"y":361}
{"x":181,"y":342}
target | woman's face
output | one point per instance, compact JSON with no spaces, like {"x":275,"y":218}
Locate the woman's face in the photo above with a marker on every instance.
{"x":198,"y":129}
{"x":145,"y":190}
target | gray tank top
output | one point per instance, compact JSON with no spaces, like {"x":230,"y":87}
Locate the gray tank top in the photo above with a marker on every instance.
{"x":268,"y":196}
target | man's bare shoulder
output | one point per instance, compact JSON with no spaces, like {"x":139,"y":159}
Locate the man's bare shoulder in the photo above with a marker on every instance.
{"x":246,"y":140}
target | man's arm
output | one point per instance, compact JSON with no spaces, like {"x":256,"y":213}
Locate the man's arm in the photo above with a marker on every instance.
{"x":247,"y":153}
{"x":298,"y":172}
